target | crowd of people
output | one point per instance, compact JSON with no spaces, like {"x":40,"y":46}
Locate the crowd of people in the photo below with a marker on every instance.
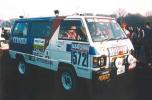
{"x":141,"y":38}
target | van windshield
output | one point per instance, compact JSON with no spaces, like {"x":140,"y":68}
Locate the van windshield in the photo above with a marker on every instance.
{"x":104,"y":29}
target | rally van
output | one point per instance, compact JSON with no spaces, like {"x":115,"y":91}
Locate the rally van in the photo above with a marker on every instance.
{"x":94,"y":48}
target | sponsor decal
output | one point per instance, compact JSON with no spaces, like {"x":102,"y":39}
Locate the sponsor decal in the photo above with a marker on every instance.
{"x":80,"y":47}
{"x":36,"y":59}
{"x":19,"y":40}
{"x":38,"y":47}
{"x":120,"y":50}
{"x":29,"y":57}
{"x":79,"y":54}
{"x":45,"y":61}
{"x":91,"y":50}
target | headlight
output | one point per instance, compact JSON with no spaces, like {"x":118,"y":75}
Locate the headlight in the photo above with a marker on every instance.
{"x":99,"y":61}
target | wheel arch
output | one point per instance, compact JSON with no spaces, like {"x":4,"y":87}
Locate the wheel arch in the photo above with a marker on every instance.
{"x":19,"y":57}
{"x":62,"y":65}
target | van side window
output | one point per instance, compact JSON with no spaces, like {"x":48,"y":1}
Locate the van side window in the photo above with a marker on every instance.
{"x":20,"y":29}
{"x":41,"y":28}
{"x":72,"y":30}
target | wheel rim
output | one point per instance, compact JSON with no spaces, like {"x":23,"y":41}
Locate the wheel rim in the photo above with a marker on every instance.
{"x":66,"y":80}
{"x":21,"y":67}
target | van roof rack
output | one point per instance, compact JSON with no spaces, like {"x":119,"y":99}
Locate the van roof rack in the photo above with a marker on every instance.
{"x":87,"y":14}
{"x":106,"y":15}
{"x":103,"y":15}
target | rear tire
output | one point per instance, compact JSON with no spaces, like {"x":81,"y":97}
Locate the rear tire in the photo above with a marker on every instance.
{"x":21,"y":67}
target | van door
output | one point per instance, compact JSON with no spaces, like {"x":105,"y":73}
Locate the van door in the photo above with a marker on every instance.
{"x":40,"y":31}
{"x":72,"y":46}
{"x":19,"y":40}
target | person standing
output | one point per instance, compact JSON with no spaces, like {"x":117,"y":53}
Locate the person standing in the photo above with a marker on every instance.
{"x":147,"y":40}
{"x":133,"y":39}
{"x":124,"y":28}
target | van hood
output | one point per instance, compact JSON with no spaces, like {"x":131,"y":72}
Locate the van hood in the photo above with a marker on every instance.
{"x":113,"y":47}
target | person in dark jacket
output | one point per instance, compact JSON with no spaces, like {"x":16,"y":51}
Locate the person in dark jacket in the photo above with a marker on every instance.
{"x":133,"y":38}
{"x":147,"y":40}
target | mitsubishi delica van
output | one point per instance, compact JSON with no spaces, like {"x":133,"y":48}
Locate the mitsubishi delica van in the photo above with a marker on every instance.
{"x":89,"y":47}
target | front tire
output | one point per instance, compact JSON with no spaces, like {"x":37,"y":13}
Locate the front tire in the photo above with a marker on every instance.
{"x":67,"y":80}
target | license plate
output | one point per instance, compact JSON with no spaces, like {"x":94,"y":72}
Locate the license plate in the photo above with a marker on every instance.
{"x":104,"y":77}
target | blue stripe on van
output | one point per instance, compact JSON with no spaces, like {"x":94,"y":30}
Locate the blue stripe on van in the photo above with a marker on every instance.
{"x":92,"y":51}
{"x":68,"y":47}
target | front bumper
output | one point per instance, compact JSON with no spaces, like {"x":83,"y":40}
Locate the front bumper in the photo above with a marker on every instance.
{"x":104,"y":75}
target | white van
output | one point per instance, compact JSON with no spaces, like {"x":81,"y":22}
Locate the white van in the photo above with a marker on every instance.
{"x":91,"y":47}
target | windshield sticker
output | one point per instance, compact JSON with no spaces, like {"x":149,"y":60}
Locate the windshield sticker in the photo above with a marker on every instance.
{"x":103,"y":20}
{"x":90,"y":19}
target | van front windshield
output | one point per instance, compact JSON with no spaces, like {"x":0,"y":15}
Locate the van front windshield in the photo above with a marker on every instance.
{"x":104,"y":29}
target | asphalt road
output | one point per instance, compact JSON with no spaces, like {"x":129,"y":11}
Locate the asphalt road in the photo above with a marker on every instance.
{"x":39,"y":84}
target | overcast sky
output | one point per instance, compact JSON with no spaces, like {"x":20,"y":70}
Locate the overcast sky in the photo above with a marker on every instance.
{"x":35,"y":8}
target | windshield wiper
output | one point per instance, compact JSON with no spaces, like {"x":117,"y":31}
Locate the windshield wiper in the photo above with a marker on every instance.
{"x":120,"y":38}
{"x":112,"y":39}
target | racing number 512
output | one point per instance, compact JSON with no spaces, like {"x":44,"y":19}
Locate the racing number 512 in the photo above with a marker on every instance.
{"x":79,"y":58}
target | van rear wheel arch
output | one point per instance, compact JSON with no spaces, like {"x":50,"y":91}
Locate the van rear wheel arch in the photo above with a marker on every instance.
{"x":19,"y":57}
